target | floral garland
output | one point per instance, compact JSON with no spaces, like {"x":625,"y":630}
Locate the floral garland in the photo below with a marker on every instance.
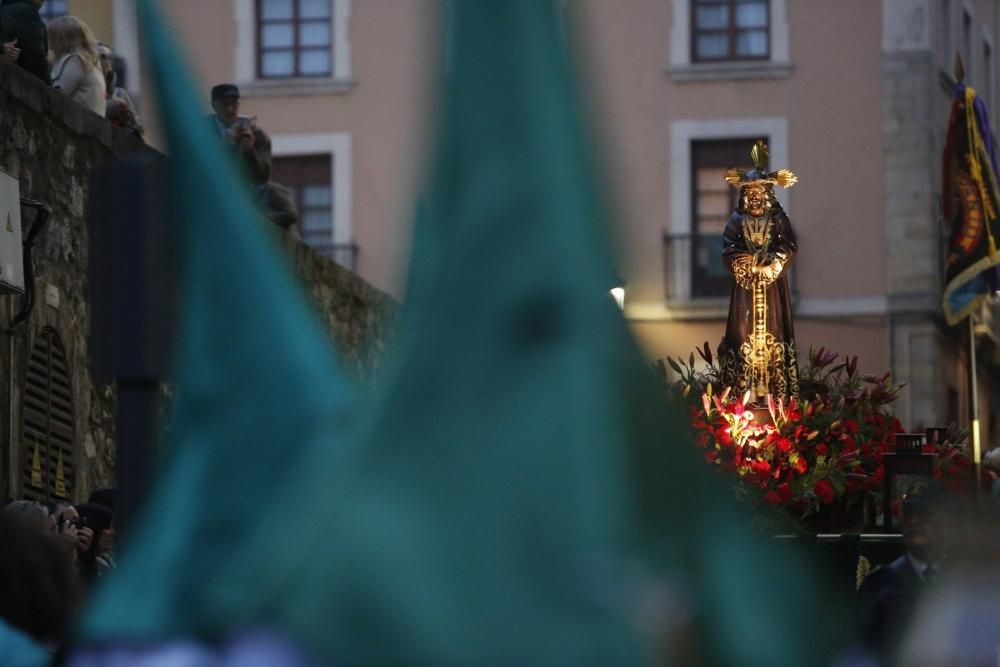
{"x":810,"y":454}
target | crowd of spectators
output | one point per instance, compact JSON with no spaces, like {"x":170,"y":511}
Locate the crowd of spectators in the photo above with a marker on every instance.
{"x":65,"y":55}
{"x":50,"y":557}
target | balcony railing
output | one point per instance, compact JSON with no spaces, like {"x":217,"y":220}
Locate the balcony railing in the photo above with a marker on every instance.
{"x":345,"y":254}
{"x":693,"y":267}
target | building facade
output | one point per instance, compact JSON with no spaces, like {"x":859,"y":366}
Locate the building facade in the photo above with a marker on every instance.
{"x":853,"y":96}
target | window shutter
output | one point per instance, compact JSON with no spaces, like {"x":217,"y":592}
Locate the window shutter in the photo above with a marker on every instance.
{"x":48,"y":468}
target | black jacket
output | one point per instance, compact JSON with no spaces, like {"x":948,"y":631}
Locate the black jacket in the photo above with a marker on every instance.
{"x":21,"y":21}
{"x":886,"y":602}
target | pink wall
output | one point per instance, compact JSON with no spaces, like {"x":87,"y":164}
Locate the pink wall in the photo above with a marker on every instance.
{"x":394,"y":60}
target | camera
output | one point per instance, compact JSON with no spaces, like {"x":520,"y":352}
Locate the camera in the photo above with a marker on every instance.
{"x":244,"y":122}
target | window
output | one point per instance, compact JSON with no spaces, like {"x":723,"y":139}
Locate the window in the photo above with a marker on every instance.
{"x":294,"y":38}
{"x":310,"y":178}
{"x":730,"y":30}
{"x":317,"y":169}
{"x":47,"y":462}
{"x":53,"y":9}
{"x":696,"y":283}
{"x":713,"y":201}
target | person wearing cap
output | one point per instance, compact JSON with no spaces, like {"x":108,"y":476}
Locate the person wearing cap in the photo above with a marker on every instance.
{"x":252,"y":144}
{"x":888,"y":596}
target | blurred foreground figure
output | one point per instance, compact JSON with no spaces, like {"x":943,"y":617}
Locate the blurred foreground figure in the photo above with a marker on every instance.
{"x":38,"y":591}
{"x":957,"y":624}
{"x":889,"y":595}
{"x":514,"y":491}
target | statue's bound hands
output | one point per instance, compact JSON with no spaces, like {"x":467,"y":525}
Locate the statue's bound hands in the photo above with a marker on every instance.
{"x":770,"y":271}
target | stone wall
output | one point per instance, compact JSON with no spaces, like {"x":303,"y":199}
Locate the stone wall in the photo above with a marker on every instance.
{"x":909,"y":89}
{"x":51,"y":144}
{"x":359,"y":317}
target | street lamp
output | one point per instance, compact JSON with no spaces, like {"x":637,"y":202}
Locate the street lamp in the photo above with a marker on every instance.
{"x":618,"y":294}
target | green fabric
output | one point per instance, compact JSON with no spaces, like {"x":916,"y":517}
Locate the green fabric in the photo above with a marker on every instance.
{"x":515,"y":486}
{"x":255,"y":384}
{"x":19,"y":650}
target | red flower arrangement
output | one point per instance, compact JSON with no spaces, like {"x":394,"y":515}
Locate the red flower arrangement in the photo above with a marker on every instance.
{"x":808,"y":455}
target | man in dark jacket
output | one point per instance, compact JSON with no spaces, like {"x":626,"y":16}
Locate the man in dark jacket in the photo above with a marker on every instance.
{"x":21,"y":21}
{"x":250,"y":143}
{"x":889,"y":595}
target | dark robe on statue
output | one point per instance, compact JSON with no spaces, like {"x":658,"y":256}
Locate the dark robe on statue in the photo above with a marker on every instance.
{"x":758,"y":352}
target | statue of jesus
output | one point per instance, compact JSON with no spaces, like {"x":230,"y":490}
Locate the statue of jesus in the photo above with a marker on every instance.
{"x":758,"y":353}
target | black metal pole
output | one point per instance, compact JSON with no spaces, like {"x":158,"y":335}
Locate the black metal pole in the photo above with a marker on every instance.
{"x":131,"y":265}
{"x":136,"y":427}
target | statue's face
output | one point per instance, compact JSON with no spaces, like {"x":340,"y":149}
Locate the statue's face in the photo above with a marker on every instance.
{"x":756,"y":201}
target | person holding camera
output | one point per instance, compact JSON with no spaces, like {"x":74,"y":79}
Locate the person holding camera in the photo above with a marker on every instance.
{"x":251,"y":144}
{"x":253,"y":150}
{"x":70,"y":527}
{"x":98,"y":558}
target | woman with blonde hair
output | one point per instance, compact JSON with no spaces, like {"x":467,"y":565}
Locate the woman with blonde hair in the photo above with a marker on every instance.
{"x":76,"y":71}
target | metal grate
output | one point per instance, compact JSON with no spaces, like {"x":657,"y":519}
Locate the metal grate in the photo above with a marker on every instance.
{"x":48,"y":464}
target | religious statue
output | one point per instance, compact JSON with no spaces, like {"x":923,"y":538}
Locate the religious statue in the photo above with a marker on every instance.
{"x":758,"y":353}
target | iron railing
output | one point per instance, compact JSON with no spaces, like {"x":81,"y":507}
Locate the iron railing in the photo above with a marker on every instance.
{"x":693,"y":267}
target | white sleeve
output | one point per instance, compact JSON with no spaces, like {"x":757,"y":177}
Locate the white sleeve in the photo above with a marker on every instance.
{"x":68,"y":74}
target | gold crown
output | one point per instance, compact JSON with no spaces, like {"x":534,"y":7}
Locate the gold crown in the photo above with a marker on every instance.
{"x":740,"y":178}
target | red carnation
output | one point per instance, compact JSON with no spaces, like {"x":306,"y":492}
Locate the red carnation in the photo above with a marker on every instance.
{"x":824,"y":491}
{"x":785,"y":492}
{"x":822,"y":449}
{"x":783,"y":444}
{"x":772,"y":498}
{"x":762,"y":470}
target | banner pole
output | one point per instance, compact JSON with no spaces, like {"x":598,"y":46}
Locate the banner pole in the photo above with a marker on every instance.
{"x":974,"y":408}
